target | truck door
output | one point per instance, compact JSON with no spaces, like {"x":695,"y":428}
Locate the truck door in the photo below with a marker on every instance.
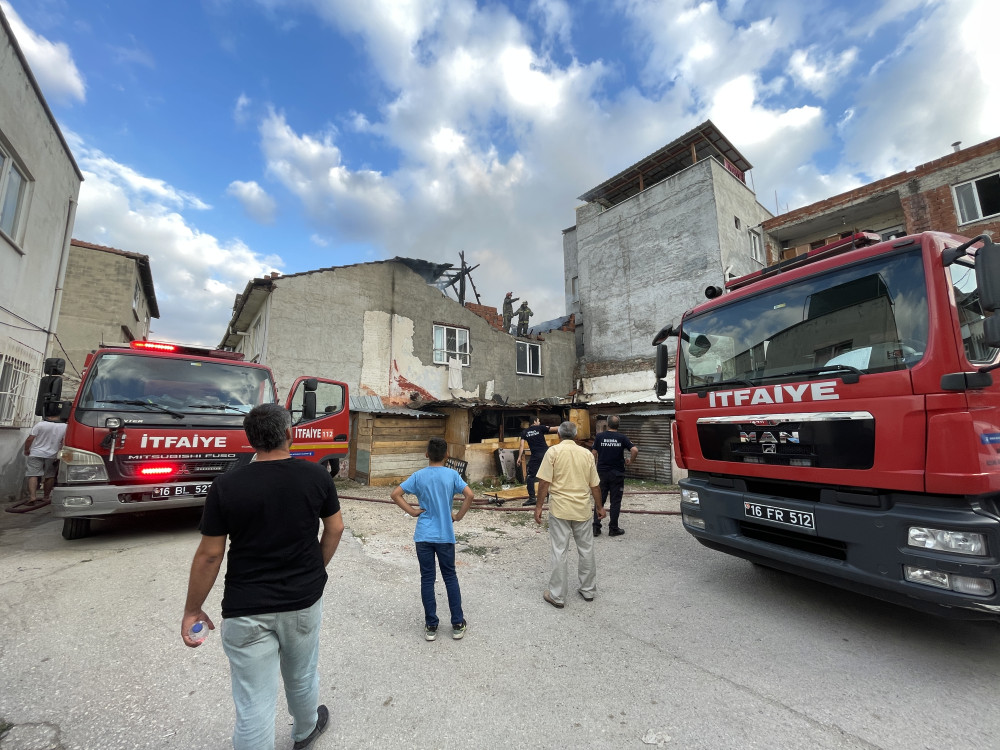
{"x":320,"y":420}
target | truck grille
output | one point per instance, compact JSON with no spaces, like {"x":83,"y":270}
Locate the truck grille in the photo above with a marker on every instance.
{"x":186,"y":468}
{"x":816,"y":545}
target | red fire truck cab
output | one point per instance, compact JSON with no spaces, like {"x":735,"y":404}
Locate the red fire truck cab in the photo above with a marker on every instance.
{"x":153,"y":424}
{"x":838,"y":419}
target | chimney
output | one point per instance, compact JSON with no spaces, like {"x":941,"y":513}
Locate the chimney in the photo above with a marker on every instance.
{"x":956,"y":146}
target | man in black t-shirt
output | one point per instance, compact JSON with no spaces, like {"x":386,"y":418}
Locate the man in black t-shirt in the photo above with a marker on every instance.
{"x":609,"y":452}
{"x":272,"y":603}
{"x":533,"y":438}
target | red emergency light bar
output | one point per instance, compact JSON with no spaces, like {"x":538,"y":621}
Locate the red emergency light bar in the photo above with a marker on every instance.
{"x":160,"y":346}
{"x":858,"y":239}
{"x":154,"y":346}
{"x":157,"y":471}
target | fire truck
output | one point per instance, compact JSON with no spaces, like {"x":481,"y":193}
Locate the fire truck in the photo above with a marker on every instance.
{"x":153,"y":424}
{"x":839,"y":420}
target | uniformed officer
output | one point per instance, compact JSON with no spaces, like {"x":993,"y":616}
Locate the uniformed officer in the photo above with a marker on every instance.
{"x":533,"y":438}
{"x":609,"y":452}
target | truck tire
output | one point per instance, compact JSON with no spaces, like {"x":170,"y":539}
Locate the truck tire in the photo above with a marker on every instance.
{"x":333,"y":466}
{"x":76,"y":528}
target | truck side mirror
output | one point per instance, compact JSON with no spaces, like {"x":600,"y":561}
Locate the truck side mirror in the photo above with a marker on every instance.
{"x":49,"y":392}
{"x":988,"y":275}
{"x":662,"y":361}
{"x":308,"y":404}
{"x":991,"y":332}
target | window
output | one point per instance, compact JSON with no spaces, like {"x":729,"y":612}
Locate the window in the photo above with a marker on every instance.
{"x":13,"y":192}
{"x":737,"y":220}
{"x":978,"y":199}
{"x":756,"y":251}
{"x":451,"y":342}
{"x":529,"y":358}
{"x":136,"y":297}
{"x":16,"y":398}
{"x":970,"y":313}
{"x":575,"y":288}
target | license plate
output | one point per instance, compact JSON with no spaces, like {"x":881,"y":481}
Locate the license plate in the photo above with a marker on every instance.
{"x":180,"y":490}
{"x":800,"y":519}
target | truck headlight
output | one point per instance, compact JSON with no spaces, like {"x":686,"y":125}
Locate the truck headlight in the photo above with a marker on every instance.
{"x":943,"y":540}
{"x":77,"y":466}
{"x":949,"y":581}
{"x":690,"y":496}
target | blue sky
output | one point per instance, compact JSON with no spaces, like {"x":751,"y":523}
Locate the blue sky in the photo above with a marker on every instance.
{"x":229,"y":138}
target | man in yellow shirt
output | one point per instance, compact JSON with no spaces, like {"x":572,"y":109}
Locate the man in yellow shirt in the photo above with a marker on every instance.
{"x":568,"y":477}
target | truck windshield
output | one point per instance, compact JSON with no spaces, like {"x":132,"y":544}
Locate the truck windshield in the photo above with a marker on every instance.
{"x":129,"y":382}
{"x":867,"y":317}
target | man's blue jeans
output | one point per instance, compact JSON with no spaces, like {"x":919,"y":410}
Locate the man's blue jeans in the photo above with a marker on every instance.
{"x":257,"y":647}
{"x":426,"y":551}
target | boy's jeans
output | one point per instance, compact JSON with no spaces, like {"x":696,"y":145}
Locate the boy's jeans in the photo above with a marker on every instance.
{"x":446,"y":559}
{"x":257,"y":646}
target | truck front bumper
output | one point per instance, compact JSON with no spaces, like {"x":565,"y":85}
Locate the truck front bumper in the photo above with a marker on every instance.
{"x":93,"y":501}
{"x":860,"y":549}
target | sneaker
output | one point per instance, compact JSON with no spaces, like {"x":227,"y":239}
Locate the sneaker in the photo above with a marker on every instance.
{"x":458,"y":631}
{"x":615,"y":531}
{"x":430,"y":633}
{"x":529,"y":501}
{"x":597,"y":531}
{"x":322,"y":717}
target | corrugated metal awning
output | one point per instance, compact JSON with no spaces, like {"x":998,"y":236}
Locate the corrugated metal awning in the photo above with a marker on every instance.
{"x":374,"y":405}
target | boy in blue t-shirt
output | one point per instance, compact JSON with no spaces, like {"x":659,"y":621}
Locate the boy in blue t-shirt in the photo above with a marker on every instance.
{"x":435,"y":488}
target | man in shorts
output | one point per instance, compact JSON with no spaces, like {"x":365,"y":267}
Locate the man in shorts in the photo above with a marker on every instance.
{"x":42,"y":450}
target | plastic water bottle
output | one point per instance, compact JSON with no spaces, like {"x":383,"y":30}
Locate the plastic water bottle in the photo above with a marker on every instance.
{"x":199,"y":632}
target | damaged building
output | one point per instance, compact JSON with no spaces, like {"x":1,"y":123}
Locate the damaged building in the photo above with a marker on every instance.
{"x":401,"y":344}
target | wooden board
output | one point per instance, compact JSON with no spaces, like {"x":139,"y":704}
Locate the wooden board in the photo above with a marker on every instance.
{"x":409,"y":422}
{"x":399,"y":446}
{"x":381,"y":434}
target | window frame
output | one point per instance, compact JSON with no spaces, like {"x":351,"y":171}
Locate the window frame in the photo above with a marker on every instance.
{"x":975,"y":195}
{"x":528,"y":349}
{"x":21,"y":365}
{"x":8,"y":163}
{"x":756,"y":246}
{"x":440,"y":356}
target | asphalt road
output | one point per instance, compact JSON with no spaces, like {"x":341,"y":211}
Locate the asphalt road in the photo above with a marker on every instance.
{"x":683,"y":648}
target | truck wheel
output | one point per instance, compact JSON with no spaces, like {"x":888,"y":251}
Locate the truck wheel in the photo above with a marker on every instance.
{"x":75,"y":528}
{"x":333,"y":466}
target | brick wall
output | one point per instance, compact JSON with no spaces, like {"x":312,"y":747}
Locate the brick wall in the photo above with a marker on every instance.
{"x":487,"y":313}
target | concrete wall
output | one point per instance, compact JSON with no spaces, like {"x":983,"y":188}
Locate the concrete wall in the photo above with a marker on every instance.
{"x":371,"y":325}
{"x":96,"y":304}
{"x":643,"y":262}
{"x":734,"y":200}
{"x":31,"y":261}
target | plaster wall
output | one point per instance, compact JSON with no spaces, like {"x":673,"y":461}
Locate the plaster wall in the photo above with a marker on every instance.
{"x":734,"y":200}
{"x":371,"y":325}
{"x":644,"y":261}
{"x":96,"y":304}
{"x":30,"y":260}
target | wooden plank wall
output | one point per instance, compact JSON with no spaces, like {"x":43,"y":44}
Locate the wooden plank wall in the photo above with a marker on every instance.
{"x":396,"y":447}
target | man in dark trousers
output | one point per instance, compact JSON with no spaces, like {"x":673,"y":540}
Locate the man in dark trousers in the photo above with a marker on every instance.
{"x":272,"y":605}
{"x":609,"y":452}
{"x":533,"y":438}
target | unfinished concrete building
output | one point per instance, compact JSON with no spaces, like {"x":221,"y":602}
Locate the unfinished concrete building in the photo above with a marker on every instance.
{"x":646,"y":244}
{"x":957,"y":193}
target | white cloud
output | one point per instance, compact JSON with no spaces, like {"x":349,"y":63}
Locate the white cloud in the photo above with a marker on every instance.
{"x":51,"y":62}
{"x":258,"y":205}
{"x":240,"y":110}
{"x":196,"y":275}
{"x":818,"y":73}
